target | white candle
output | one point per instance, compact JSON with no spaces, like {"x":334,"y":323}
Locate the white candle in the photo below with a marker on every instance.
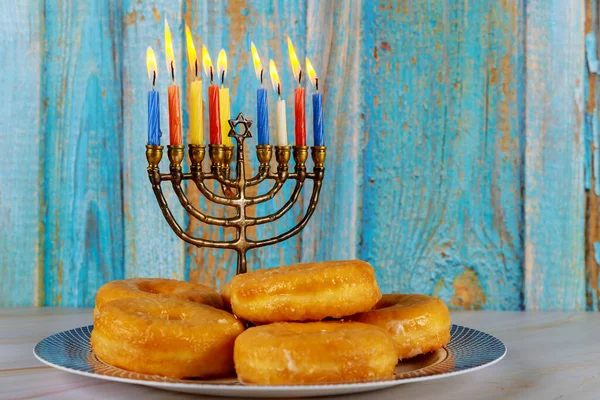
{"x":281,"y":123}
{"x":280,"y":117}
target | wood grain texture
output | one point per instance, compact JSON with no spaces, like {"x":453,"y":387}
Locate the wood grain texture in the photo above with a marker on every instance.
{"x":442,"y":209}
{"x":332,"y":29}
{"x":463,"y":145}
{"x":151,"y":248}
{"x":592,"y":156}
{"x":20,"y":167}
{"x":83,"y":222}
{"x":554,"y":192}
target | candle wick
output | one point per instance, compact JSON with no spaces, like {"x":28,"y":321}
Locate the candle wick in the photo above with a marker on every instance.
{"x":317,"y":83}
{"x":196,"y":67}
{"x":153,"y":79}
{"x":173,"y":71}
{"x":261,"y":76}
{"x":211,"y":74}
{"x":223,"y":78}
{"x":279,"y":91}
{"x":300,"y":78}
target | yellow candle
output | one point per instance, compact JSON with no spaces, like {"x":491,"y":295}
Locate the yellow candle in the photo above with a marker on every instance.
{"x":196,"y":114}
{"x":224,"y":101}
{"x":224,"y":106}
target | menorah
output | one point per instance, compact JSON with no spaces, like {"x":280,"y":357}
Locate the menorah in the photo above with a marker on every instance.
{"x":234,"y":188}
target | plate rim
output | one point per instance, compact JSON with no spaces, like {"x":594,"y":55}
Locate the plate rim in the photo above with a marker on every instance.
{"x":257,"y":388}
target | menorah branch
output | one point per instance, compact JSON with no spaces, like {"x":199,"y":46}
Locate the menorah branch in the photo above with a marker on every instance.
{"x":200,"y":216}
{"x":301,"y":224}
{"x":164,"y":206}
{"x":199,"y":179}
{"x":282,"y":211}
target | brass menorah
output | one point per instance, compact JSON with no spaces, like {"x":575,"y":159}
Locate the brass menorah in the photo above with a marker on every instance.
{"x":234,"y":188}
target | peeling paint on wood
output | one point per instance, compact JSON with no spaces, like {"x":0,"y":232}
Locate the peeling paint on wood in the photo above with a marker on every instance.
{"x":463,"y":155}
{"x":332,"y":29}
{"x":442,"y":166}
{"x":21,"y":230}
{"x":81,"y":169}
{"x":592,"y":157}
{"x":554,"y":190}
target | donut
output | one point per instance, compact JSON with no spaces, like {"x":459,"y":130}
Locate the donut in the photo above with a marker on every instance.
{"x":304,"y":292}
{"x":417,"y":322}
{"x":162,"y":336}
{"x":286,"y":353}
{"x":155,"y":288}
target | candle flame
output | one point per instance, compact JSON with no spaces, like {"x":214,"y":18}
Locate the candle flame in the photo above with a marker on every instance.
{"x":207,"y":63}
{"x":274,"y":77}
{"x":294,"y":60}
{"x":222,"y":65}
{"x":312,"y":75}
{"x":169,"y":51}
{"x":191,"y":50}
{"x":151,"y":64}
{"x":257,"y":64}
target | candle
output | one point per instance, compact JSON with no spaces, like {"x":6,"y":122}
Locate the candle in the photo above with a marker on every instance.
{"x":196,"y":115}
{"x":262,"y":105}
{"x":280,"y":113}
{"x":153,"y":101}
{"x":299,"y":98}
{"x":214,"y":123}
{"x":262,"y":116}
{"x":300,"y":115}
{"x":317,"y":101}
{"x":173,"y":92}
{"x":224,"y":100}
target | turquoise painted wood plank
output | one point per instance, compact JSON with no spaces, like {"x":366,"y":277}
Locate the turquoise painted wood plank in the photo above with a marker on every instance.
{"x":591,"y":130}
{"x":442,"y":207}
{"x":83,"y":244}
{"x":333,"y":33}
{"x":233,"y":26}
{"x":151,"y":247}
{"x":554,"y":193}
{"x":21,"y":27}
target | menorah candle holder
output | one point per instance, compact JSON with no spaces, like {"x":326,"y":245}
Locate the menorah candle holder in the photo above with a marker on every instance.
{"x":234,"y":188}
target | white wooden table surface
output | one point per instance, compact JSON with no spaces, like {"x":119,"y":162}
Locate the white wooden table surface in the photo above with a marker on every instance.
{"x":550,"y":356}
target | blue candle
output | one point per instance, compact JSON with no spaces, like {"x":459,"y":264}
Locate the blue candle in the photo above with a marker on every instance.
{"x":318,"y":119}
{"x":262,"y":111}
{"x":154,"y":132}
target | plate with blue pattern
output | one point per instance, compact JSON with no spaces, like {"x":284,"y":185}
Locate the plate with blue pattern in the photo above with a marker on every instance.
{"x":467,"y":351}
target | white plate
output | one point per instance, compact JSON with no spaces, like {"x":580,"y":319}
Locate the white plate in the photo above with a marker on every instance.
{"x":468,"y":350}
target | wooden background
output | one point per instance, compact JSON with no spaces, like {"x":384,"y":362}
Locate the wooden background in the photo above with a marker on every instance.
{"x":463,"y":144}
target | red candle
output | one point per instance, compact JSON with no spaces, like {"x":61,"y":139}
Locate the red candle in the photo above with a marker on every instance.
{"x":299,"y":97}
{"x":214,"y":114}
{"x":174,"y":116}
{"x":300,"y":114}
{"x":174,"y":101}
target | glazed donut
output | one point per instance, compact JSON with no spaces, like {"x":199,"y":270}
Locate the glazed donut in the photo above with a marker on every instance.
{"x":168,"y":337}
{"x":417,"y":322}
{"x":304,"y":292}
{"x":314,"y":352}
{"x":155,"y":288}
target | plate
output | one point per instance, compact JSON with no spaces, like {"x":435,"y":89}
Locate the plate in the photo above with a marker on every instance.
{"x":468,"y":350}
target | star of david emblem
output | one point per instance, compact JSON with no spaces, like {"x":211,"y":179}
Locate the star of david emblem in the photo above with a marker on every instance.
{"x":240,"y":120}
